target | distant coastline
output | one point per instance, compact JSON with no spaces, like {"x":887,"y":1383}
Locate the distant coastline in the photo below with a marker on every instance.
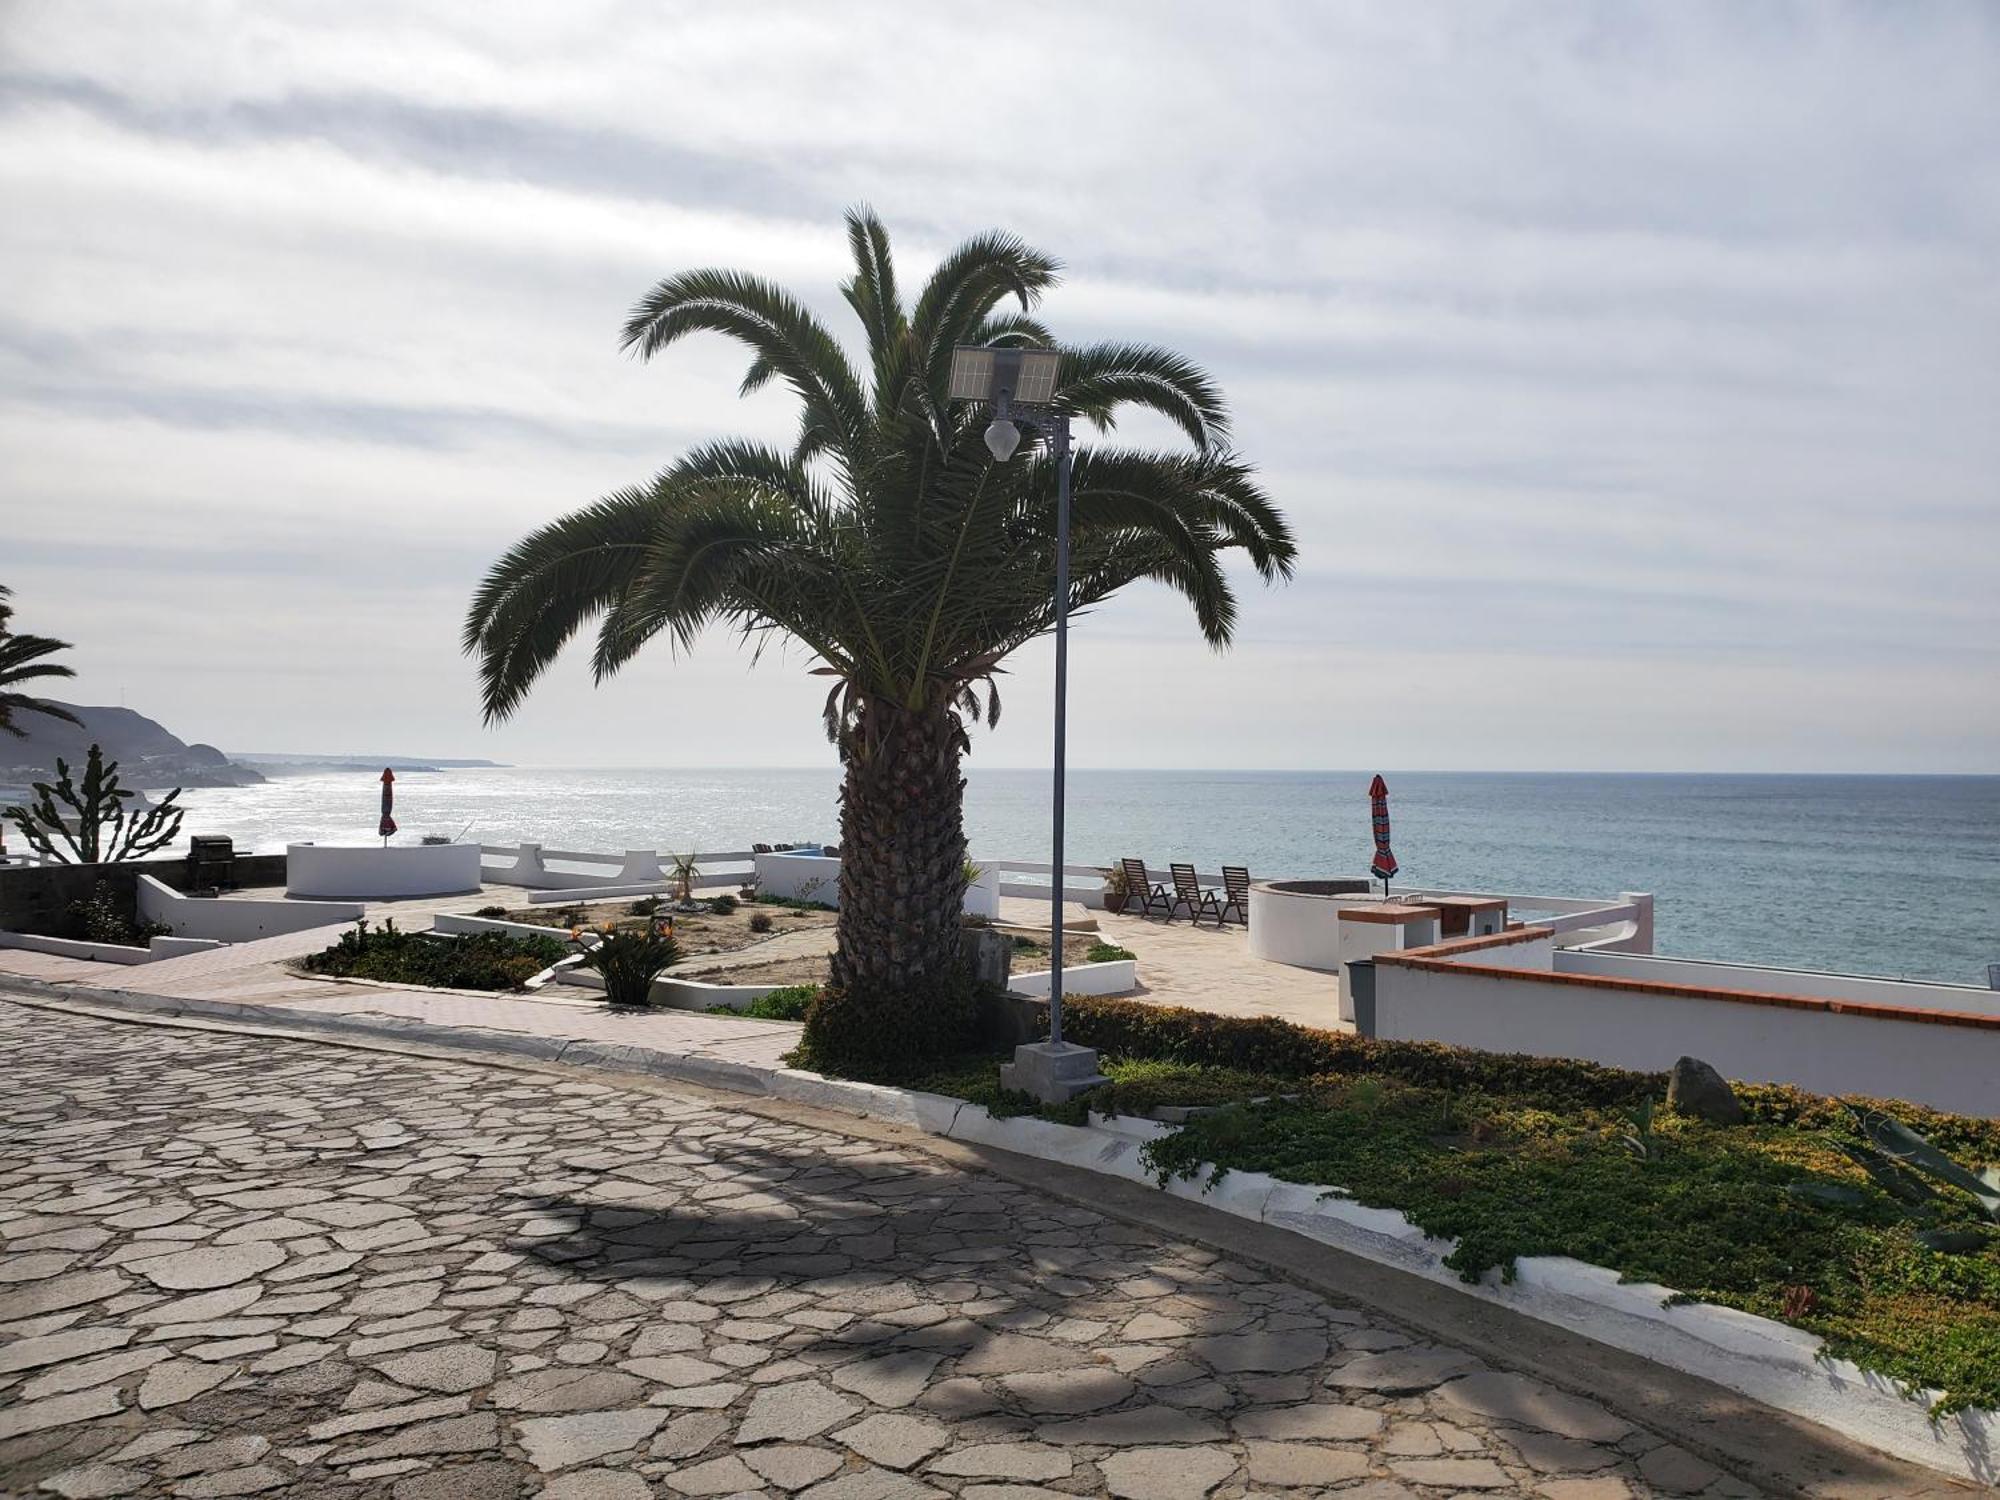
{"x":273,"y":763}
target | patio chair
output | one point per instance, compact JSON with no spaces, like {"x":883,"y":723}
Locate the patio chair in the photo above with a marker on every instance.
{"x":1191,"y":893}
{"x":1142,"y":891}
{"x":760,"y":849}
{"x":1236,"y":893}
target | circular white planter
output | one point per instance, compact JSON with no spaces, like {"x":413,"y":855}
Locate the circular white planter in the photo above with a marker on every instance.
{"x":1297,"y":922}
{"x":362,"y":872}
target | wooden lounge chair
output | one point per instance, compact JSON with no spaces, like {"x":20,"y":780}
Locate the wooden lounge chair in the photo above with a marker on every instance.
{"x":760,"y":848}
{"x":1236,"y":893}
{"x":1143,"y":892}
{"x":1189,"y":892}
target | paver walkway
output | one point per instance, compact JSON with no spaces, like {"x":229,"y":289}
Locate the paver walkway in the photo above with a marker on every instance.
{"x":242,"y":1265}
{"x":1178,"y":964}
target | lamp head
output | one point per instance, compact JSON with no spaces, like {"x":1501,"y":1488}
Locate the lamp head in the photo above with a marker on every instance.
{"x":1002,"y":438}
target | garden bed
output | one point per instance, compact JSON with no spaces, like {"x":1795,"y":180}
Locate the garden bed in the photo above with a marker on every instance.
{"x":489,"y":961}
{"x":1517,"y":1157}
{"x":1028,"y":957}
{"x":699,"y":933}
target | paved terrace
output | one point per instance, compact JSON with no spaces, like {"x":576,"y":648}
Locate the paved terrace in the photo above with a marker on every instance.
{"x":243,"y":1265}
{"x":1206,"y":968}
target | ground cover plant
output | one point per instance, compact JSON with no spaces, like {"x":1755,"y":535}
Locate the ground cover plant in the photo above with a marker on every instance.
{"x":787,"y":1003}
{"x":476,"y":961}
{"x":1801,"y":1213}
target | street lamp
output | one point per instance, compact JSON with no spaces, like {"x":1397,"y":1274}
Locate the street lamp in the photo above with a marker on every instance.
{"x":1019,"y":385}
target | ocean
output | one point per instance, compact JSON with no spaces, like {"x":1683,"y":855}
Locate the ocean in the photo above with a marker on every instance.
{"x":1891,"y":875}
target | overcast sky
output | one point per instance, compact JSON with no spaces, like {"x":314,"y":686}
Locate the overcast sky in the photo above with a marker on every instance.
{"x":1630,"y":373}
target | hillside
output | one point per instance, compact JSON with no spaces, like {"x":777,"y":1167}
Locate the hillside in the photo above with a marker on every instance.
{"x":149,"y":755}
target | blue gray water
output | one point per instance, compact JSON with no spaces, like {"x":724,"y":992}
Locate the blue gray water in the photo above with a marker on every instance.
{"x":1896,"y":875}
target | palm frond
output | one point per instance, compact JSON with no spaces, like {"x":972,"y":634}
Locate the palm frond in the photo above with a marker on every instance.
{"x":1098,"y":379}
{"x":548,"y":585}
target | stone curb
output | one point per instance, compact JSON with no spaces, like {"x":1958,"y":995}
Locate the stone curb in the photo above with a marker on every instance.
{"x":1768,"y":1361}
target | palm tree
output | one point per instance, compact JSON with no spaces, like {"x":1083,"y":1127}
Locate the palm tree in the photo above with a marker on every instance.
{"x":890,"y":545}
{"x":24,"y":658}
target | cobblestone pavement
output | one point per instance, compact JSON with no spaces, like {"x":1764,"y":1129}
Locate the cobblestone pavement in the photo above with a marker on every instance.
{"x":241,"y":1266}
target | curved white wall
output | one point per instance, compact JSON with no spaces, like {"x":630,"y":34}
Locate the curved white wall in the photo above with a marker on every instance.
{"x":363,"y":873}
{"x":1288,"y":927}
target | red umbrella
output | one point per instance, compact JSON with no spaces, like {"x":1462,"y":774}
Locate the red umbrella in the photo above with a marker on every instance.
{"x":389,"y":800}
{"x":1384,"y":865}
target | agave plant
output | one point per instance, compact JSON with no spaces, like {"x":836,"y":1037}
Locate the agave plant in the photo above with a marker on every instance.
{"x":1893,"y":1144}
{"x":889,"y":545}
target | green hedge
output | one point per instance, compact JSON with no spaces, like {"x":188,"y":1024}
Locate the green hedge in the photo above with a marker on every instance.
{"x":1267,"y":1045}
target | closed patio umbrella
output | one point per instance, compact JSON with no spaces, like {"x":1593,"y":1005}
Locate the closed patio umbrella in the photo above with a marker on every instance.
{"x":388,"y":802}
{"x":1383,"y":867}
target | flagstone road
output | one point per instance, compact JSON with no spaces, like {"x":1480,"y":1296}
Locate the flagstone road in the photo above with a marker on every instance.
{"x":234,"y":1265}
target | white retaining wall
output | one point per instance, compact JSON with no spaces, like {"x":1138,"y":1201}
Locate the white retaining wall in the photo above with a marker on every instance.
{"x":1915,"y":994}
{"x":530,"y":865}
{"x":233,"y":921}
{"x":1950,"y":1066}
{"x":108,"y":953}
{"x":816,"y":877}
{"x":1118,"y":977}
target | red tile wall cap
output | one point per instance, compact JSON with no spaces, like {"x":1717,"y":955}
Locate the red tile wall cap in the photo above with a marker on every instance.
{"x":1474,"y":943}
{"x":1386,"y":911}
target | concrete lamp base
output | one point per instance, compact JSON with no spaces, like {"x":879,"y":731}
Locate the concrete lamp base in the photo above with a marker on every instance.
{"x":1053,"y":1073}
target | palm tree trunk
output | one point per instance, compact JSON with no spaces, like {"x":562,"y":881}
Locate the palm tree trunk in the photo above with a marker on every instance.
{"x":902,"y":853}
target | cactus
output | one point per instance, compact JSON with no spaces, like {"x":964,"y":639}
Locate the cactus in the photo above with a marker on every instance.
{"x":104,"y":833}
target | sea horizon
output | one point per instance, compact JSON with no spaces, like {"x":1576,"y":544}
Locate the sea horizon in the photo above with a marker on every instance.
{"x":1892,"y":873}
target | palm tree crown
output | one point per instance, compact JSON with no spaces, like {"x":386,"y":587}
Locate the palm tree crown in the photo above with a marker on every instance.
{"x":890,"y":544}
{"x":887,"y":541}
{"x":25,"y":658}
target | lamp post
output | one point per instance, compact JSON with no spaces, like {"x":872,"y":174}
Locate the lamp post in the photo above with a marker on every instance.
{"x":1019,"y":386}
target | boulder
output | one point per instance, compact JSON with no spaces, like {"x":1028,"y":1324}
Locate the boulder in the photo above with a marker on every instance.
{"x":1697,"y":1090}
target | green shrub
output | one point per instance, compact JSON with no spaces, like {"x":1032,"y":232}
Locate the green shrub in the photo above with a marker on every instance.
{"x":474,"y":961}
{"x":1107,"y":953}
{"x":760,"y":921}
{"x":645,"y":906}
{"x":787,"y":1004}
{"x":628,"y":959}
{"x":722,"y":906}
{"x":888,"y":1038}
{"x":105,"y":917}
{"x":1267,"y":1045}
{"x":491,"y":911}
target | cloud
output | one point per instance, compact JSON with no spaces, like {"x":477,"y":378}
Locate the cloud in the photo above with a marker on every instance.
{"x":1633,"y":364}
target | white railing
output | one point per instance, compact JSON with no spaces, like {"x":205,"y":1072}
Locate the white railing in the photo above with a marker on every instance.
{"x":529,"y":865}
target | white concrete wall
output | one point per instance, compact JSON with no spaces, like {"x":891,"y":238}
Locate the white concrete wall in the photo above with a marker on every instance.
{"x":1118,"y":977}
{"x":982,"y":897}
{"x":233,"y":921}
{"x":453,"y":923}
{"x":532,"y":866}
{"x":1915,"y":994}
{"x":1300,"y":930}
{"x":799,"y":877}
{"x":816,"y":877}
{"x":1951,"y":1067}
{"x":391,"y":872}
{"x":103,"y":953}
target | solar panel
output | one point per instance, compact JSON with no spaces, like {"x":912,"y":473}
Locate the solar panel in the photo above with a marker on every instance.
{"x":972,"y":375}
{"x":1036,"y":383}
